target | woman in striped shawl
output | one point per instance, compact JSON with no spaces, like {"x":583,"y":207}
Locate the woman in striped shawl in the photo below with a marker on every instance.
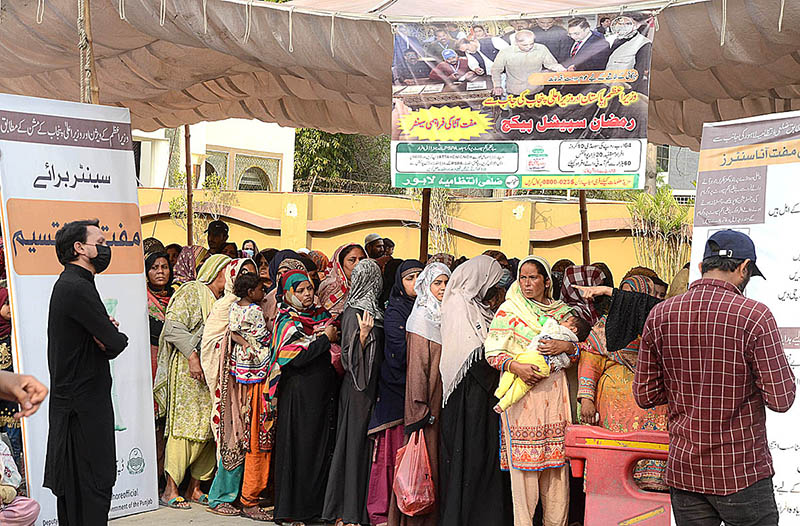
{"x":307,"y":388}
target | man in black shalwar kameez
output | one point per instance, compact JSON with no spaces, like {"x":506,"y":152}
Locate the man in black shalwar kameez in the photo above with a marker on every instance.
{"x":81,"y":455}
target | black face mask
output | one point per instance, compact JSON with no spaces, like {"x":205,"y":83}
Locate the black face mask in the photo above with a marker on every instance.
{"x":102,"y":260}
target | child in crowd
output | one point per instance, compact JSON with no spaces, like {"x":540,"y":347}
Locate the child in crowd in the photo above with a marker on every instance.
{"x":15,"y":510}
{"x":251,"y":351}
{"x":571,"y":329}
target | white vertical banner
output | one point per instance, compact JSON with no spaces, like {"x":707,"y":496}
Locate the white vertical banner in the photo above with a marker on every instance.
{"x":61,"y":162}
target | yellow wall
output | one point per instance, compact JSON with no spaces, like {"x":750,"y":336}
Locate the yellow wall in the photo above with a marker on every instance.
{"x":326,"y":221}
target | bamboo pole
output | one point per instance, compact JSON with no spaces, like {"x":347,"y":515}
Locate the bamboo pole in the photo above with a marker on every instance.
{"x":584,"y":227}
{"x":94,"y":87}
{"x":424,"y":224}
{"x":189,"y":188}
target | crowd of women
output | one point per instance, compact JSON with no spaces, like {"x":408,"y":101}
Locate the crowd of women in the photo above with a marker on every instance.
{"x":289,"y":380}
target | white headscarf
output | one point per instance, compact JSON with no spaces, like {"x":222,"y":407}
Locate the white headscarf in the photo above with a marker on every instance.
{"x":465,"y":318}
{"x":366,"y":284}
{"x":426,"y":316}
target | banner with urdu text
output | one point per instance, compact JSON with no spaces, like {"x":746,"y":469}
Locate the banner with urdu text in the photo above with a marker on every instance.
{"x":747,"y":181}
{"x":60,"y":162}
{"x":532,"y":103}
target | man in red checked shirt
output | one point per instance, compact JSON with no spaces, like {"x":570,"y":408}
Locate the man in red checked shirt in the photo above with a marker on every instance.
{"x":716,"y":358}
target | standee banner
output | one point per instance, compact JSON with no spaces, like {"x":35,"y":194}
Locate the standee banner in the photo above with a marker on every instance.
{"x":747,"y":181}
{"x":60,"y":162}
{"x":532,"y":103}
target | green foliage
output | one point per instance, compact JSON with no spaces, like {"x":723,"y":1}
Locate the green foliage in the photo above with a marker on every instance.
{"x":213,"y":202}
{"x":321,"y":154}
{"x":662,"y":231}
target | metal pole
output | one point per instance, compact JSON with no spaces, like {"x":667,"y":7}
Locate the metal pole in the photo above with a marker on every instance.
{"x":424,"y":224}
{"x":584,"y":227}
{"x":189,"y":188}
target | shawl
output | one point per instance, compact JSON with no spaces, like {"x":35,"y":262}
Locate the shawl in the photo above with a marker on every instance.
{"x":680,"y":283}
{"x":321,"y":261}
{"x":294,"y":327}
{"x":190,"y":306}
{"x":365,"y":288}
{"x":583,"y":276}
{"x":446,"y":259}
{"x":519,"y":319}
{"x":270,"y":303}
{"x":5,"y":325}
{"x":392,"y":386}
{"x":465,"y":318}
{"x":389,"y":273}
{"x":156,"y":301}
{"x":426,"y":317}
{"x":216,"y":327}
{"x":276,"y":263}
{"x":597,"y":338}
{"x":186,"y":267}
{"x":334,"y":288}
{"x":628,"y":313}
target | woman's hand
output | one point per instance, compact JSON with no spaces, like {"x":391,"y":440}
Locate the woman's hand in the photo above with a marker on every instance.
{"x":365,"y":324}
{"x":589,"y":293}
{"x":589,"y":414}
{"x":555,"y":347}
{"x":195,"y":369}
{"x":332,"y":333}
{"x":527,"y":372}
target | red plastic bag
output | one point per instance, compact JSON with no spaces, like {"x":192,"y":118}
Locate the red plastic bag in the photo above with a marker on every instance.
{"x":413,"y":485}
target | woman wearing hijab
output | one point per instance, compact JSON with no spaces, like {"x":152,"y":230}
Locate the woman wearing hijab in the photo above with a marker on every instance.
{"x":243,"y":450}
{"x":605,"y":391}
{"x":532,"y":430}
{"x":159,"y":292}
{"x":321,"y":260}
{"x":473,"y":491}
{"x":333,"y":290}
{"x":185,"y":269}
{"x":180,"y":389}
{"x":307,"y":394}
{"x":362,"y":351}
{"x":283,"y":261}
{"x":386,"y":425}
{"x":423,"y":401}
{"x":582,"y":276}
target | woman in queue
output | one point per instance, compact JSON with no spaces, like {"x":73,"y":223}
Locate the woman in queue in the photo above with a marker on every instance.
{"x":333,"y":290}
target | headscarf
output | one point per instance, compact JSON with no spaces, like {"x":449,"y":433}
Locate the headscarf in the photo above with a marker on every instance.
{"x":294,"y":327}
{"x":680,"y":283}
{"x":321,"y":260}
{"x":334,"y":288}
{"x":389,"y":274}
{"x":446,"y":259}
{"x":365,"y":288}
{"x":392,"y":386}
{"x":628,"y":312}
{"x":185,"y":269}
{"x":217,"y":324}
{"x":426,"y":316}
{"x":597,"y":338}
{"x":276,"y":262}
{"x":208,"y":272}
{"x":151,"y":244}
{"x":519,"y":319}
{"x":465,"y":318}
{"x":583,"y":276}
{"x":156,"y":301}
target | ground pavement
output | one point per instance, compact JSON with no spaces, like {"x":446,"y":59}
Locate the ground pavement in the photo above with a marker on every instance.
{"x":197,"y":516}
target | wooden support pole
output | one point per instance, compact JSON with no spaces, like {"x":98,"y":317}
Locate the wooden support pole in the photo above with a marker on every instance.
{"x":424,"y":224}
{"x":189,"y":188}
{"x":584,"y":227}
{"x":94,"y":86}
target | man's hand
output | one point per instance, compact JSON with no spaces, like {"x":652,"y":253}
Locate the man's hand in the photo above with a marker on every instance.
{"x":115,"y":322}
{"x":527,"y":372}
{"x":5,"y":311}
{"x":479,"y":71}
{"x":195,"y":369}
{"x":99,"y":344}
{"x":24,"y":389}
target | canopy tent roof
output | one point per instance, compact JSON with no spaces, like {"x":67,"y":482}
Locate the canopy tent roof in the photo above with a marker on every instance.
{"x":326,"y":63}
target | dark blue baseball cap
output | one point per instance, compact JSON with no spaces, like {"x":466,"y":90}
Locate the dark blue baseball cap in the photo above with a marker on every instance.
{"x":734,"y":245}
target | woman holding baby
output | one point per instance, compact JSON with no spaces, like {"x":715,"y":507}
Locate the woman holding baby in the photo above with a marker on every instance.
{"x":533,"y":428}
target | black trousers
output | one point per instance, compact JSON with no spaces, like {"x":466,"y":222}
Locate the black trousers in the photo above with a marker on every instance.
{"x":752,"y":506}
{"x":85,"y":506}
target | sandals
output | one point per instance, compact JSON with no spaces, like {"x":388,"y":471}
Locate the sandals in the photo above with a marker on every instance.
{"x":203,"y":500}
{"x":225,"y":509}
{"x":257,"y":514}
{"x":178,"y":503}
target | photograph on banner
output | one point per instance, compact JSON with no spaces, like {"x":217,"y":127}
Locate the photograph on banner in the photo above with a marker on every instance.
{"x":747,"y":181}
{"x":61,"y":162}
{"x":527,"y":103}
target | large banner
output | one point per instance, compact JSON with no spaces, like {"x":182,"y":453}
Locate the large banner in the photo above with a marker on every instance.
{"x":539,"y":103}
{"x":60,"y":162}
{"x":747,"y":181}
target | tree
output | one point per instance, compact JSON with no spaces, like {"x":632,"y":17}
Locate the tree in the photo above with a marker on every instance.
{"x":214,"y":202}
{"x":319,"y":154}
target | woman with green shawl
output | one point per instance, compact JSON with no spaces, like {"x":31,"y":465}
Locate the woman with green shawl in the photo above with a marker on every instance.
{"x":532,"y":430}
{"x":180,"y":388}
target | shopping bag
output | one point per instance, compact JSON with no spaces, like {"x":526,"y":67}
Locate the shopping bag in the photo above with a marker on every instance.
{"x":413,"y":485}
